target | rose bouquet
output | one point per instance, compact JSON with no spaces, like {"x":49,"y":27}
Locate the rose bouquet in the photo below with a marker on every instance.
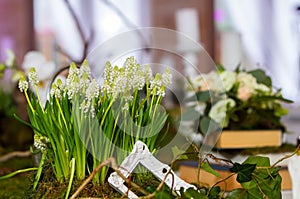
{"x":236,"y":100}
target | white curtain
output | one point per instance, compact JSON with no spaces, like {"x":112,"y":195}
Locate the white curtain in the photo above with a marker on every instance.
{"x":99,"y":18}
{"x":270,"y":36}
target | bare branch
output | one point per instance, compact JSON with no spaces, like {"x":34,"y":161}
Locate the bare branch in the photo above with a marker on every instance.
{"x":15,"y":154}
{"x":80,"y":30}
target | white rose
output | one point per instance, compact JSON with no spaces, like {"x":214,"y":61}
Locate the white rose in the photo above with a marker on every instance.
{"x":228,"y":79}
{"x":263,"y":88}
{"x":244,"y":93}
{"x":218,"y":111}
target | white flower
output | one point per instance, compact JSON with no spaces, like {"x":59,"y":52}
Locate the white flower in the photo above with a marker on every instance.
{"x":44,"y":69}
{"x":161,"y":92}
{"x":23,"y":84}
{"x":139,"y":80}
{"x":246,"y":80}
{"x":228,"y":79}
{"x":262,"y":88}
{"x":156,"y":83}
{"x":167,"y":78}
{"x":210,"y":81}
{"x":85,"y":69}
{"x":244,"y":93}
{"x":11,"y":58}
{"x":218,"y":111}
{"x":33,"y":77}
{"x":40,"y":142}
{"x":147,"y":74}
{"x":92,"y":91}
{"x":198,"y":106}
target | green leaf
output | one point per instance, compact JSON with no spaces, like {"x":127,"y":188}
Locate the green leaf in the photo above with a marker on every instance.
{"x":208,"y":125}
{"x":253,"y":190}
{"x":220,"y":68}
{"x":265,"y":180}
{"x":162,"y":195}
{"x":190,"y":114}
{"x":203,"y":96}
{"x":261,"y":77}
{"x":206,"y":167}
{"x":259,"y":161}
{"x":238,"y":194}
{"x":244,"y":171}
{"x":192,"y":194}
{"x":178,"y":153}
{"x":214,"y":193}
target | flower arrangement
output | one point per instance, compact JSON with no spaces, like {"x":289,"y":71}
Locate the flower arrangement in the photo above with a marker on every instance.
{"x":237,"y":100}
{"x":83,"y":123}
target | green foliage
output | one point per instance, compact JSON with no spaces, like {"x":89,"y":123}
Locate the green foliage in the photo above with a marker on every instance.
{"x":206,"y":167}
{"x":235,"y":100}
{"x":244,"y":171}
{"x":84,"y":124}
{"x":258,"y":179}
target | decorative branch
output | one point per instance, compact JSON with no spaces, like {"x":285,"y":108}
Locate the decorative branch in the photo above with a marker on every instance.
{"x":127,"y":22}
{"x":287,"y":156}
{"x":85,"y":42}
{"x":15,"y":154}
{"x":111,"y":161}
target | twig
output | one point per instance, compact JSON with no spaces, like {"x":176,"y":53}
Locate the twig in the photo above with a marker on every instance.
{"x":13,"y":154}
{"x":219,"y":159}
{"x":127,"y":21}
{"x":109,"y":160}
{"x":223,"y":180}
{"x":287,"y":156}
{"x":112,"y":161}
{"x":160,"y":186}
{"x":80,"y":30}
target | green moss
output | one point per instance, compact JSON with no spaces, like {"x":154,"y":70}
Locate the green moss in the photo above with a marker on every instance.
{"x":14,"y":187}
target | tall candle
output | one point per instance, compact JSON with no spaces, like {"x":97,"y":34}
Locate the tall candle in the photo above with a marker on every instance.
{"x":187,"y":23}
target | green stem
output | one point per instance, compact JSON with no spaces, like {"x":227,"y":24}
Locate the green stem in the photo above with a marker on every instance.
{"x":106,"y":111}
{"x":71,"y":177}
{"x":29,"y":102}
{"x":38,"y":96}
{"x":61,"y":112}
{"x":39,"y":171}
{"x":17,"y":172}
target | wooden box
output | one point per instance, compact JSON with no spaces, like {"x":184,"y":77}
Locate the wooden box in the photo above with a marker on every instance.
{"x":188,"y":171}
{"x":234,"y":139}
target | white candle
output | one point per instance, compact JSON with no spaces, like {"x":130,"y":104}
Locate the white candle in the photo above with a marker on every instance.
{"x":187,"y":23}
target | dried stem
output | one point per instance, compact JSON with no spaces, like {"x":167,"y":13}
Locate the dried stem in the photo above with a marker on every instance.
{"x":111,"y":161}
{"x":219,"y":159}
{"x":287,"y":156}
{"x":15,"y":154}
{"x":80,"y":30}
{"x":102,"y":164}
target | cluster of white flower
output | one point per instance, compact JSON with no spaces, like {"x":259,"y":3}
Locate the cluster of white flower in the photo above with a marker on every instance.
{"x":134,"y":77}
{"x":72,"y":82}
{"x":219,"y":83}
{"x":23,"y":84}
{"x":40,"y":142}
{"x":218,"y":111}
{"x":57,"y":89}
{"x":117,"y":82}
{"x":33,"y":77}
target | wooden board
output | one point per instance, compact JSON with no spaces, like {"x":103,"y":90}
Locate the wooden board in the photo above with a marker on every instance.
{"x":245,"y":139}
{"x":190,"y":173}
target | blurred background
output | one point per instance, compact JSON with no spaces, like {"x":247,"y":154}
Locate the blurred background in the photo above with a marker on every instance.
{"x":253,"y":33}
